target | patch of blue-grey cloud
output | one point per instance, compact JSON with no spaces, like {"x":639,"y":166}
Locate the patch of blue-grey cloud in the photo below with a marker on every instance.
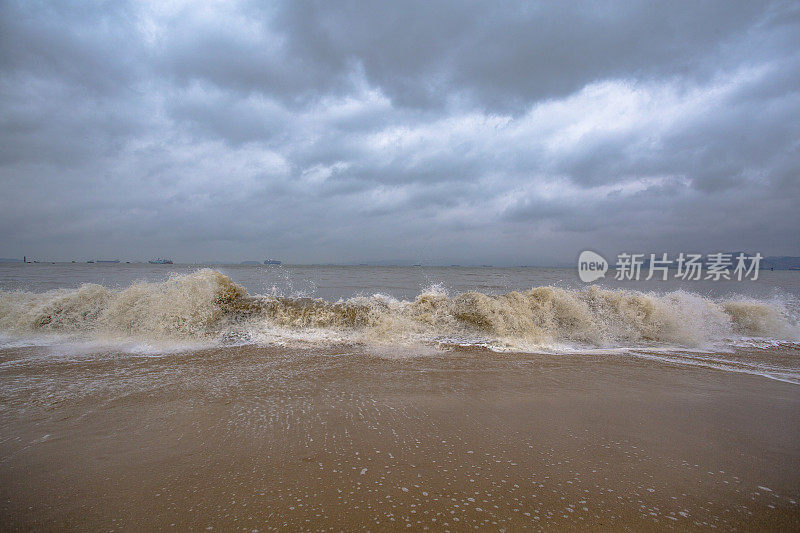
{"x":442,"y":132}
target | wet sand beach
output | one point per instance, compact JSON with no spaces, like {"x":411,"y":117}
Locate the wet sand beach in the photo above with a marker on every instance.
{"x":258,"y":438}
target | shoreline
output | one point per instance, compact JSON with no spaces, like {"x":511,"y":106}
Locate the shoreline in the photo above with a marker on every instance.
{"x":254,"y":438}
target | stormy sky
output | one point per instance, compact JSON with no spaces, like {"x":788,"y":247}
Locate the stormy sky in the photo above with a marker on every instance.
{"x":437,"y":132}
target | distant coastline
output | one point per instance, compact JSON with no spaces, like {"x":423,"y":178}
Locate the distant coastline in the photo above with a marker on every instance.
{"x":767,"y":263}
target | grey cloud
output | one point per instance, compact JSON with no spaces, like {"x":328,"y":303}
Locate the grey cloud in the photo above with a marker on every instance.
{"x":420,"y":53}
{"x":367,"y":131}
{"x":93,"y":46}
{"x":236,"y":120}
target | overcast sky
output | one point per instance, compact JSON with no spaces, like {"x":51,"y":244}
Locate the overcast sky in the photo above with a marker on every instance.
{"x":439,"y":132}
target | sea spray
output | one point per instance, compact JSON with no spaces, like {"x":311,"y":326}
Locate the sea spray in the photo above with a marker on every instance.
{"x":208,"y":306}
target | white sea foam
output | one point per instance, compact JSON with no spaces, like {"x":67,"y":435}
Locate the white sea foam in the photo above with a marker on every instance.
{"x":208,"y":308}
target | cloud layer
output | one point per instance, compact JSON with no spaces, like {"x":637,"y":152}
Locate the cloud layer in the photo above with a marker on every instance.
{"x":422,"y":131}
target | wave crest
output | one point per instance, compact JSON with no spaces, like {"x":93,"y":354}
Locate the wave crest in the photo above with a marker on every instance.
{"x":207,"y":305}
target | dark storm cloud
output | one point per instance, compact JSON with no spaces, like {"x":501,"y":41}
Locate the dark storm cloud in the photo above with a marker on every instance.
{"x":420,"y":53}
{"x":439,"y":131}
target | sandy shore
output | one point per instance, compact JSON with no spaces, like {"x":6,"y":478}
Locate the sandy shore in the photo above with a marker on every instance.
{"x":260,"y":439}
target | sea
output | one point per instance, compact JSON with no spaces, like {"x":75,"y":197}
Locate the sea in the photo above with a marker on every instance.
{"x":67,"y":310}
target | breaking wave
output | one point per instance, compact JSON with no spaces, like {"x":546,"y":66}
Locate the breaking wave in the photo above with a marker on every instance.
{"x":207,"y":306}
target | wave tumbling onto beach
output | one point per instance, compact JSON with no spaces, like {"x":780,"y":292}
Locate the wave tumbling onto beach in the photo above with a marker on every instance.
{"x":208,"y":307}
